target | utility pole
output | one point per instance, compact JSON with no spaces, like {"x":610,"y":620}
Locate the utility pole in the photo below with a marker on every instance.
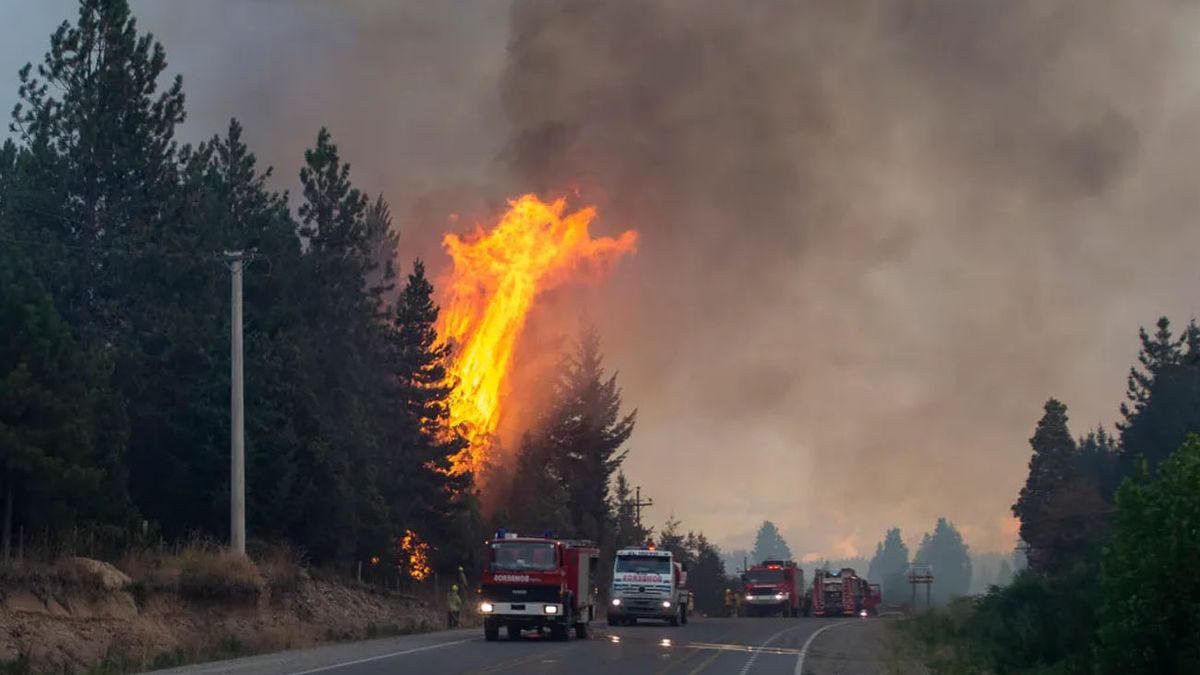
{"x":638,"y":504}
{"x":235,"y":261}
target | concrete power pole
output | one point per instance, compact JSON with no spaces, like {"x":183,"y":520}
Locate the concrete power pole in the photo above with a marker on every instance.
{"x":235,"y":261}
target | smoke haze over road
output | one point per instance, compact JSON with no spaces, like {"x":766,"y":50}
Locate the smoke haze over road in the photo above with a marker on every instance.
{"x":875,"y":235}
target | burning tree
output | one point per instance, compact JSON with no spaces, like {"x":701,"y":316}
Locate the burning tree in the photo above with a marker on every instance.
{"x":495,"y":279}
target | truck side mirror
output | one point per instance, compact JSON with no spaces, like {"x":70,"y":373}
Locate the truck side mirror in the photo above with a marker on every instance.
{"x":743,"y":578}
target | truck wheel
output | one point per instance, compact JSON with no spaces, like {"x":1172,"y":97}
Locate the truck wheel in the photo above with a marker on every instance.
{"x":581,"y":630}
{"x":559,"y":632}
{"x":613,"y":621}
{"x":491,"y":630}
{"x":514,"y":631}
{"x":683,"y":619}
{"x":674,"y":621}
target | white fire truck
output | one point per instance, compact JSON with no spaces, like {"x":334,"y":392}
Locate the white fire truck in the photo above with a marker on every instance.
{"x":648,"y":584}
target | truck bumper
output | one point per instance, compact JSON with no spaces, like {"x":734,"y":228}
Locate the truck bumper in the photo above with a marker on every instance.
{"x":524,"y":613}
{"x":639,"y":608}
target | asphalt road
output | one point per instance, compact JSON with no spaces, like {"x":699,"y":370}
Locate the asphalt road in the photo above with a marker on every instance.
{"x":766,"y":646}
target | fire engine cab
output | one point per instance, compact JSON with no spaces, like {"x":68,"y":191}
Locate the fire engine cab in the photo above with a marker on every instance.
{"x":774,"y":586}
{"x":538,"y":583}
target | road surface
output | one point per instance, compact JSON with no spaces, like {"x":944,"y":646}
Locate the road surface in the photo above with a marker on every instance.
{"x":766,"y":646}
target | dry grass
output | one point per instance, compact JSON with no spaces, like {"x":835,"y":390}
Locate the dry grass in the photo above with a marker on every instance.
{"x":199,"y":569}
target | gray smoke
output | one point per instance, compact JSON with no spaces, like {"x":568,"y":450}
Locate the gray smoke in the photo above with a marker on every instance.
{"x":877,"y":235}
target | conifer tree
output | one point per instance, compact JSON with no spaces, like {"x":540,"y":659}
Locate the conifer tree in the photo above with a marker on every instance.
{"x":1051,"y":469}
{"x":769,"y":545}
{"x":945,"y":551}
{"x":889,"y":565}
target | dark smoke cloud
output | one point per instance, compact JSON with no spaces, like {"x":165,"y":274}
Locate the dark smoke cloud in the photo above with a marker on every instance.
{"x":876,"y":235}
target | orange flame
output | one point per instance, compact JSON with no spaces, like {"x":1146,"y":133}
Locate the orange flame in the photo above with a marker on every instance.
{"x":495,"y":278}
{"x":415,"y":556}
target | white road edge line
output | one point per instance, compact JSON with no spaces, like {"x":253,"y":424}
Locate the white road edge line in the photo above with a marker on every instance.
{"x":381,"y":657}
{"x":754,"y":657}
{"x":804,"y":650}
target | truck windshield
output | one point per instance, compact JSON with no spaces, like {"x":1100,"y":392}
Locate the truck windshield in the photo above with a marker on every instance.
{"x":764,"y":576}
{"x":643,"y":564}
{"x":523,"y":555}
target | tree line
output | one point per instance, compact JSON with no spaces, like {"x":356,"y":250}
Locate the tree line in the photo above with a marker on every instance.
{"x":115,"y":373}
{"x":1108,"y":524}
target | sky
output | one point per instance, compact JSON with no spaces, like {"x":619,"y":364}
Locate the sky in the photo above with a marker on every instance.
{"x":875,"y":236}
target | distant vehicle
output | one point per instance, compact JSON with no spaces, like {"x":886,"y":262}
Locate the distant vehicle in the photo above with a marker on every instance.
{"x":648,"y":584}
{"x":773,"y":586}
{"x":537,"y":583}
{"x":844,"y":593}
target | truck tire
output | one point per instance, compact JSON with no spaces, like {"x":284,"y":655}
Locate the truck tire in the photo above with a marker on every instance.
{"x":674,"y":621}
{"x":581,"y":630}
{"x":631,"y":621}
{"x":491,"y":630}
{"x":613,"y":621}
{"x":514,"y":631}
{"x":560,"y":632}
{"x":683,"y":619}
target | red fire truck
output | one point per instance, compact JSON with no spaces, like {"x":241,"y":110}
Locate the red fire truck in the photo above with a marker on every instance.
{"x":844,"y":593}
{"x":538,"y":583}
{"x":773,"y":586}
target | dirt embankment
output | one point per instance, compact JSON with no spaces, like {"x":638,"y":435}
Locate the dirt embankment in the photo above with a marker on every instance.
{"x":82,"y":615}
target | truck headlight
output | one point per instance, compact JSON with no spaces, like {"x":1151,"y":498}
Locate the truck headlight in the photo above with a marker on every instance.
{"x":779,"y":596}
{"x":550,"y":609}
{"x":666,"y":603}
{"x":616,"y":602}
{"x":749,"y":597}
{"x":486,"y":608}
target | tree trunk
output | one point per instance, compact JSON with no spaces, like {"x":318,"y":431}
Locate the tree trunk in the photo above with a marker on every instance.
{"x":8,"y":509}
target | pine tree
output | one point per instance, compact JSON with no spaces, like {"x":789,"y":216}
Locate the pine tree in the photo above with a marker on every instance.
{"x":586,"y":431}
{"x":341,"y":510}
{"x":54,"y":452}
{"x":1051,"y":469}
{"x":1157,"y":352}
{"x":945,"y":551}
{"x":889,"y":565}
{"x":418,"y":450}
{"x":101,"y":164}
{"x":769,"y":545}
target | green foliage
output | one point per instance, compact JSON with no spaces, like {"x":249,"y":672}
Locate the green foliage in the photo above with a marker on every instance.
{"x":54,"y":456}
{"x":1150,"y":612}
{"x":118,"y":347}
{"x":1054,"y":494}
{"x":945,"y":550}
{"x":888,"y":567}
{"x":769,"y":544}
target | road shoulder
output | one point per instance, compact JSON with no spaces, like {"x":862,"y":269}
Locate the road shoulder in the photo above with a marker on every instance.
{"x":864,"y":647}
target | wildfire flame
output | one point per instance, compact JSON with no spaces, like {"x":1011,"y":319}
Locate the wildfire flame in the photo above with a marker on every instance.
{"x":415,"y":556}
{"x":496,"y":276}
